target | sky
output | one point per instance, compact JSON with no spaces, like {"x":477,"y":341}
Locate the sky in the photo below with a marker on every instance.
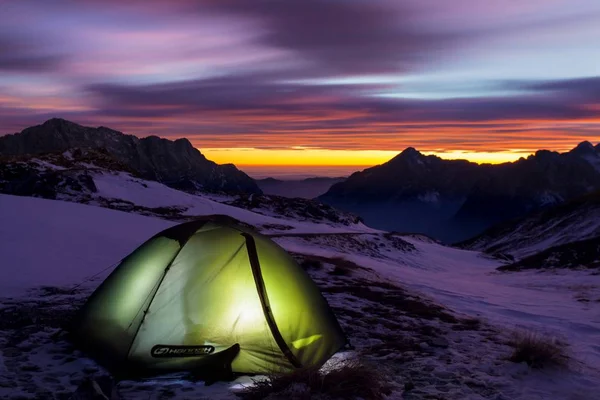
{"x":310,"y":82}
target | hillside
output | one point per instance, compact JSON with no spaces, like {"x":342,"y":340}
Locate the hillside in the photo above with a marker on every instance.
{"x":573,"y":221}
{"x":583,"y":254}
{"x":175,"y":163}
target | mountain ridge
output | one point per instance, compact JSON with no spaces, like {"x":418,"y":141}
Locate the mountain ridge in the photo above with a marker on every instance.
{"x":175,"y":163}
{"x":572,"y":221}
{"x":456,"y":199}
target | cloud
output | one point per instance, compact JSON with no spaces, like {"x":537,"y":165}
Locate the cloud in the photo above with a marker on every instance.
{"x":348,"y":37}
{"x":250,"y":97}
{"x":19,"y":54}
{"x":585,"y":89}
{"x":299,"y":72}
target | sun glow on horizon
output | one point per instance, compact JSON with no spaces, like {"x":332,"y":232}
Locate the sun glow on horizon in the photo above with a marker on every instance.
{"x":299,"y":156}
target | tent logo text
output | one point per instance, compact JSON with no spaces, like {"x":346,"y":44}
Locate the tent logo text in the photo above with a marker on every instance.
{"x":163,"y":351}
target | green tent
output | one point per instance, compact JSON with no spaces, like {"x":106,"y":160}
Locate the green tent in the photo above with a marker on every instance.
{"x":207,"y":295}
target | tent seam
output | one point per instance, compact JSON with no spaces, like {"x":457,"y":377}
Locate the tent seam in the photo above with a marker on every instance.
{"x":264,"y":301}
{"x":162,"y":278}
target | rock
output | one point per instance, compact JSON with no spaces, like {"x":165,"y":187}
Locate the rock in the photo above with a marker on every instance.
{"x":90,"y":369}
{"x":30,"y":368}
{"x":7,"y":383}
{"x":443,"y":374}
{"x":50,"y":379}
{"x":11,"y":352}
{"x":439,"y":342}
{"x":93,"y":390}
{"x":519,"y":369}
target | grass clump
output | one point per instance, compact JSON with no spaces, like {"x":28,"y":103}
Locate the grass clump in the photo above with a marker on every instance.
{"x":539,"y":351}
{"x":343,"y":267}
{"x":311,"y":264}
{"x":344,"y":380}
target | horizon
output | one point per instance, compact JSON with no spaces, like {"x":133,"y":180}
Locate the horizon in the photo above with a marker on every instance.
{"x":290,"y":169}
{"x":251,"y":84}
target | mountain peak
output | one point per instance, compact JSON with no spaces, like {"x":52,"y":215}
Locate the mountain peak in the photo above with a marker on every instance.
{"x":584,"y":148}
{"x":409,"y":155}
{"x":57,"y":121}
{"x":410,"y":151}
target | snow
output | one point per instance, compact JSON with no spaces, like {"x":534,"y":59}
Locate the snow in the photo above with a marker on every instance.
{"x":550,"y":198}
{"x":535,"y":234}
{"x":41,"y":237}
{"x":467,"y":282}
{"x":594,"y":160}
{"x":60,"y":244}
{"x":44,"y":165}
{"x":429,"y":197}
{"x":153,"y":194}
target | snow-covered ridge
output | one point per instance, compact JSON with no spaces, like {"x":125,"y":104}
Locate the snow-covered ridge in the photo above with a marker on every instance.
{"x":89,"y":178}
{"x":574,"y":221}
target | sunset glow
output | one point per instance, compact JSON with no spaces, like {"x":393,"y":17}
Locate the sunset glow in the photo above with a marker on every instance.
{"x":312,"y":157}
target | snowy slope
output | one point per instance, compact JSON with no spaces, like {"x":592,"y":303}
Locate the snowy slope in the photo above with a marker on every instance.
{"x":122,"y":186}
{"x":563,"y":304}
{"x":41,"y":241}
{"x":573,"y":221}
{"x":95,"y":178}
{"x":381,"y":301}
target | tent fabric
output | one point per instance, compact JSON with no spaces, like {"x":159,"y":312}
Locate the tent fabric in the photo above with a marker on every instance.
{"x":193,"y":292}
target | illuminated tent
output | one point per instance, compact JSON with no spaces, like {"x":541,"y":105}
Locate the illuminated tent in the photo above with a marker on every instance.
{"x":207,"y":296}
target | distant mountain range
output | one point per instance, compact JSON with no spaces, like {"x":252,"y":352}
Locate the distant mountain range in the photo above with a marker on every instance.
{"x":450,"y":200}
{"x":455,"y":199}
{"x":308,"y":188}
{"x":175,"y":163}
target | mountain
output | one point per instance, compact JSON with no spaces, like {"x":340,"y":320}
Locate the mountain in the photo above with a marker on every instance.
{"x":175,"y":163}
{"x":453,"y":200}
{"x":573,"y":221}
{"x":584,"y":254}
{"x":308,"y":188}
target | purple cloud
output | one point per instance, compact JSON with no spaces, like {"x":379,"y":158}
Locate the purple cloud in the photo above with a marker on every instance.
{"x":348,"y":37}
{"x":587,"y":89}
{"x":254,"y":96}
{"x":19,"y":54}
{"x":309,"y":69}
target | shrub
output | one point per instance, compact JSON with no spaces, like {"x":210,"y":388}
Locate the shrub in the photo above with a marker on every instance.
{"x":311,"y":264}
{"x":343,"y":267}
{"x":538,"y":351}
{"x":343,"y":380}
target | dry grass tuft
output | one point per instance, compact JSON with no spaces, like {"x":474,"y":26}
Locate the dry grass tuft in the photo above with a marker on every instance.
{"x":539,"y":351}
{"x":309,"y":264}
{"x":345,"y":380}
{"x":343,"y":267}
